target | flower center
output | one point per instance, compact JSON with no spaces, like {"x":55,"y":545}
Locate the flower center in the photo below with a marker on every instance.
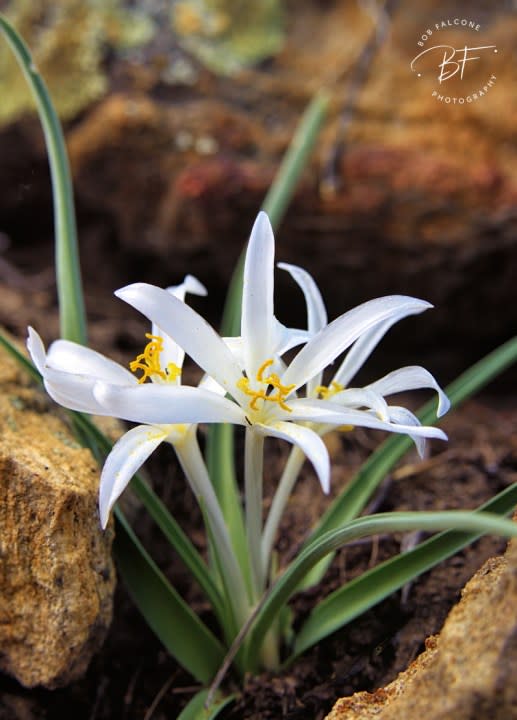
{"x":149,"y":362}
{"x":272,"y":380}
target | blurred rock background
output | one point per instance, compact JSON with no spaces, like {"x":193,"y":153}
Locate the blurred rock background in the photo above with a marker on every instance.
{"x":177,"y":115}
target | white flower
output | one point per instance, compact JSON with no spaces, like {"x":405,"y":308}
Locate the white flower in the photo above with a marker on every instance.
{"x":263,"y":389}
{"x":372,"y":396}
{"x":71,"y":373}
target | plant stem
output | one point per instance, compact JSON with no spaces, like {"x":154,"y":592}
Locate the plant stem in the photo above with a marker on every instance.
{"x":283,"y":491}
{"x":253,"y":482}
{"x":194,"y":467}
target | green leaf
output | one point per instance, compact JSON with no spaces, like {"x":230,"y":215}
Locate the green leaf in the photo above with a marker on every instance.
{"x":71,"y":302}
{"x":196,"y":710}
{"x":350,"y":503}
{"x":183,"y":634}
{"x":331,"y":541}
{"x":362,"y":593}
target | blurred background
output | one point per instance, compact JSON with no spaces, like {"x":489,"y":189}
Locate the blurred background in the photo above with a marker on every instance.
{"x":177,"y":114}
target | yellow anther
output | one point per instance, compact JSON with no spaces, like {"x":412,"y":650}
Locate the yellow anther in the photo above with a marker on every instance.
{"x":327,"y":392}
{"x":173,"y":372}
{"x":262,"y":369}
{"x":345,"y":428}
{"x":149,"y":362}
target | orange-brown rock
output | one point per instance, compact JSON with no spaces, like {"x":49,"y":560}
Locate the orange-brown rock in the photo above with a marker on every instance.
{"x":56,"y":574}
{"x":468,"y":670}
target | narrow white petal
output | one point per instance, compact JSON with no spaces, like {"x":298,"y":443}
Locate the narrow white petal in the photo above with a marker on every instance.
{"x":308,"y":441}
{"x":362,"y":349}
{"x":316,"y":312}
{"x":336,"y":337}
{"x":284,"y":338}
{"x":36,"y":350}
{"x":412,"y":377}
{"x":124,"y":460}
{"x":189,"y":285}
{"x":208,"y":383}
{"x":257,"y":295}
{"x":187,"y":328}
{"x":73,"y":358}
{"x":74,"y":392}
{"x":402,"y":416}
{"x":362,"y":397}
{"x":172,"y":352}
{"x":328,"y":412}
{"x":167,"y":404}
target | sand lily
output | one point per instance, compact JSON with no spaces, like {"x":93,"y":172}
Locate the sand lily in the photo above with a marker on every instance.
{"x":71,"y":374}
{"x":364,"y":406}
{"x":263,"y":389}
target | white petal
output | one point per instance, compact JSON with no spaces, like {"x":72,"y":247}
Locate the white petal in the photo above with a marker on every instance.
{"x":187,"y":328}
{"x":362,"y":349}
{"x":167,"y":404}
{"x":330,"y":342}
{"x":362,"y":397}
{"x":172,"y":352}
{"x":36,"y":350}
{"x":308,"y":441}
{"x":124,"y":460}
{"x":77,"y":359}
{"x":190,"y":285}
{"x":402,"y":416}
{"x":257,"y":295}
{"x":412,"y":377}
{"x":284,"y":338}
{"x":74,"y":392}
{"x":328,"y":412}
{"x":316,"y":312}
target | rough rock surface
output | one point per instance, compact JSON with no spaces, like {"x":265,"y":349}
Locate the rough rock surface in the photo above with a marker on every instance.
{"x":56,"y":574}
{"x":468,"y":671}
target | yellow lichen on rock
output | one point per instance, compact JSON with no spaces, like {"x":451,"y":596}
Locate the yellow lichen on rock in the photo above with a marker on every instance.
{"x":67,"y":40}
{"x":228,"y":36}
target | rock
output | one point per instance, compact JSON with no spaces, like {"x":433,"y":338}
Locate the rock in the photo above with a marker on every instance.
{"x":56,"y":572}
{"x":468,"y":670}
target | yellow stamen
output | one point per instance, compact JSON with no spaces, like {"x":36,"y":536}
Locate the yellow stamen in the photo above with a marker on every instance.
{"x":149,"y":362}
{"x":273,"y":380}
{"x":327,"y":392}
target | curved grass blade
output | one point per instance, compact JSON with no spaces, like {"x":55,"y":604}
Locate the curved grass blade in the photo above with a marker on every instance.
{"x":197,"y":710}
{"x":68,"y":274}
{"x":288,"y":583}
{"x":345,"y":604}
{"x":180,"y":630}
{"x":350,"y":503}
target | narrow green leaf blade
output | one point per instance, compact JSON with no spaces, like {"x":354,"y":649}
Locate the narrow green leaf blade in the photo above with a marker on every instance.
{"x":196,"y":710}
{"x":345,"y":604}
{"x":288,"y":583}
{"x":187,"y":639}
{"x":71,"y":301}
{"x":350,"y":503}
